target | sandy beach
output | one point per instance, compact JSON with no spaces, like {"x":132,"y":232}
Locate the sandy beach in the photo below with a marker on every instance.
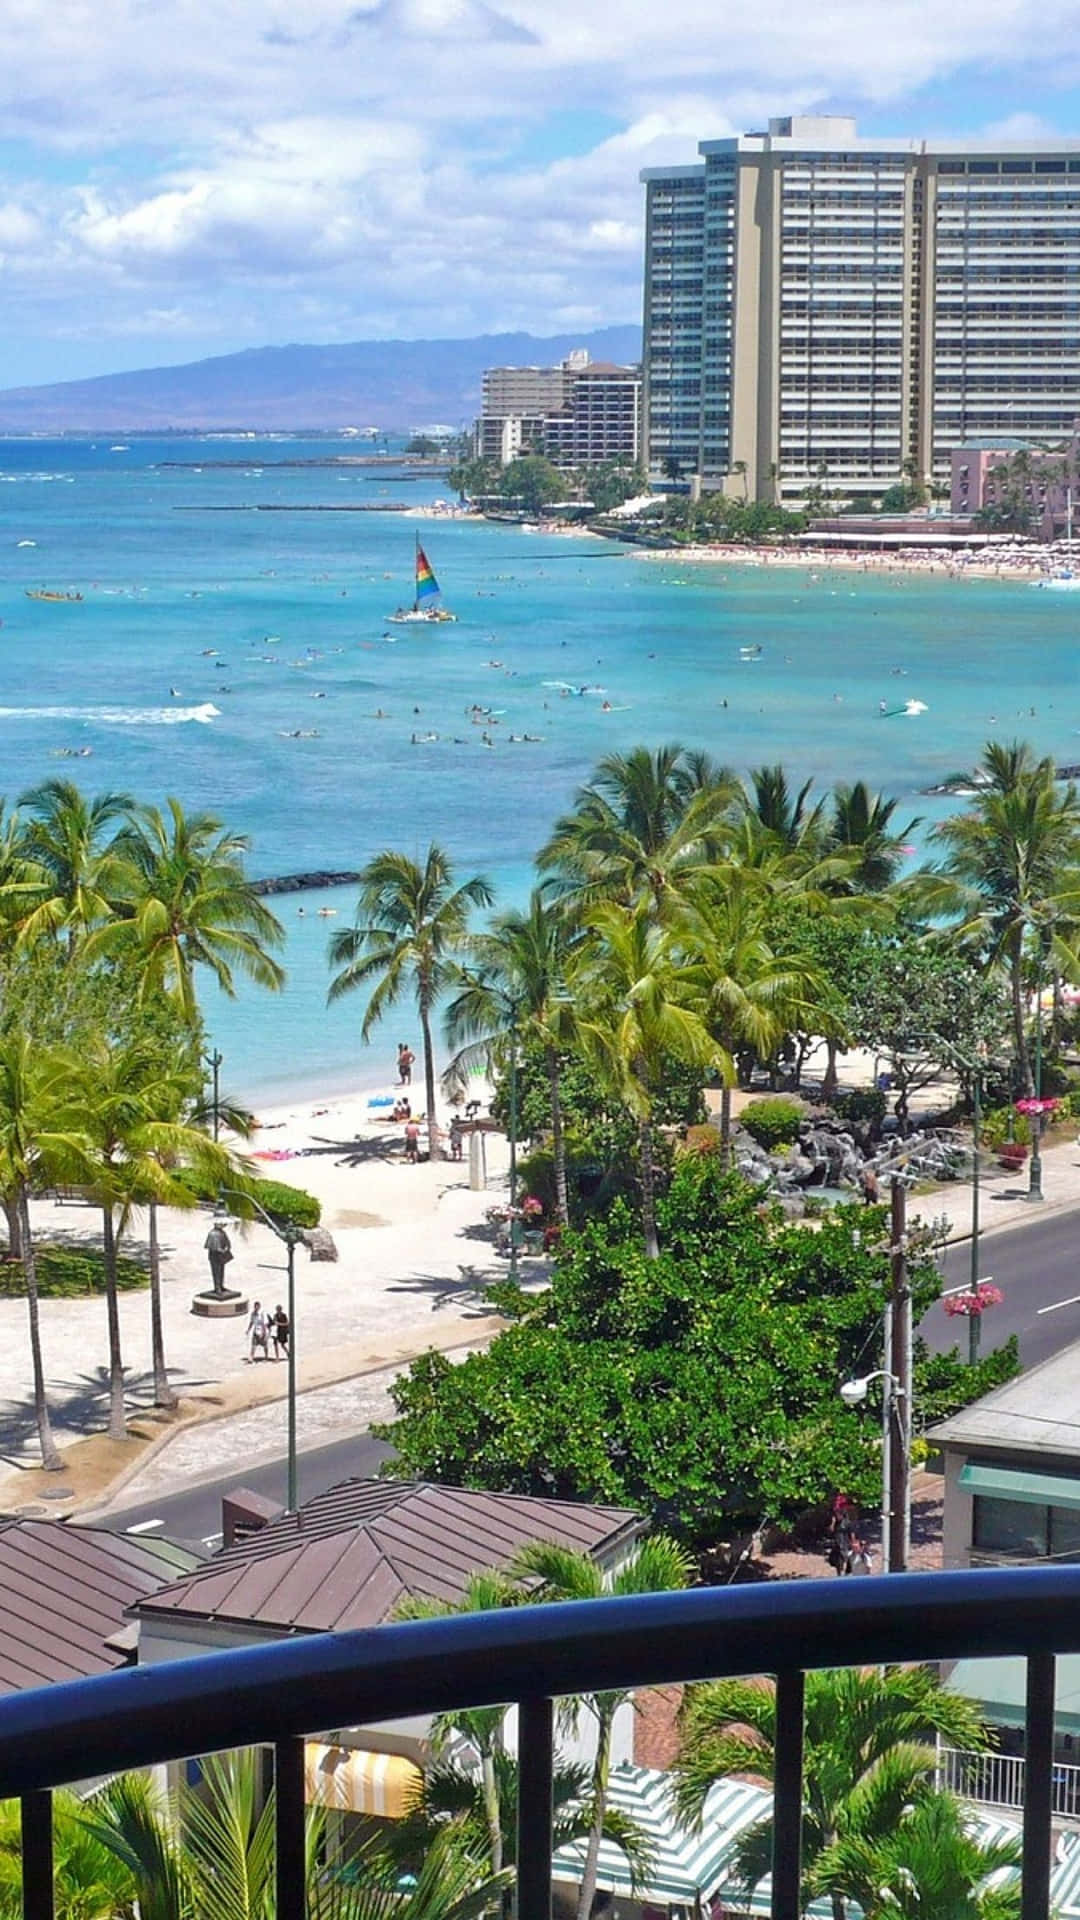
{"x":414,"y":1254}
{"x":1004,"y":563}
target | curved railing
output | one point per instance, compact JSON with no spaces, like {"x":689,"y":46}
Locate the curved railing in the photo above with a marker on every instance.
{"x":276,"y":1694}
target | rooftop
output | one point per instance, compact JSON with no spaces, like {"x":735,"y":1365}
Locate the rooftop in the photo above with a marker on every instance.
{"x":1037,"y":1413}
{"x":64,"y":1595}
{"x":348,"y":1558}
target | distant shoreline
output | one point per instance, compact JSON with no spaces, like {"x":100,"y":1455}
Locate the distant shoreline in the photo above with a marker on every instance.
{"x":976,"y":565}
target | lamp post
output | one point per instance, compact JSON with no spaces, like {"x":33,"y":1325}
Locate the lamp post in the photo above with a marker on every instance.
{"x":214,"y":1062}
{"x":513,"y":1142}
{"x":1035,"y":1191}
{"x":853,"y":1393}
{"x":289,"y":1234}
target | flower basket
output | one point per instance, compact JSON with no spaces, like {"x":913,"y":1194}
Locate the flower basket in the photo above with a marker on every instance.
{"x":1011,"y":1155}
{"x":973,"y":1304}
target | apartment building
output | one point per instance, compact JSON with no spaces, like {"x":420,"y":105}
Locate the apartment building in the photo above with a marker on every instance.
{"x":825,"y":309}
{"x":577,"y":414}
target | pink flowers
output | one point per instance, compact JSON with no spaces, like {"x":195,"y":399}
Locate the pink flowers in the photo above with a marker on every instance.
{"x":531,"y":1207}
{"x":1036,"y":1106}
{"x":969,"y":1305}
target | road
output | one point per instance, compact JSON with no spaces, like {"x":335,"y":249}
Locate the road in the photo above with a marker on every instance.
{"x":1037,"y":1268}
{"x":194,"y":1512}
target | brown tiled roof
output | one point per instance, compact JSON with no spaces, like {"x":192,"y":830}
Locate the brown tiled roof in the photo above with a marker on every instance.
{"x":349,"y":1556}
{"x":64,"y":1594}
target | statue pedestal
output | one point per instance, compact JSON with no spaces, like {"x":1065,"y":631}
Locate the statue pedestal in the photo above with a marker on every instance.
{"x":219,"y":1306}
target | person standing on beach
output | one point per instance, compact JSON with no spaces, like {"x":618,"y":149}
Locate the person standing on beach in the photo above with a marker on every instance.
{"x":412,"y":1142}
{"x":405,"y":1060}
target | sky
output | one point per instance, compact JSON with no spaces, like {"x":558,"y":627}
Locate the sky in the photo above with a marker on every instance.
{"x":189,"y":177}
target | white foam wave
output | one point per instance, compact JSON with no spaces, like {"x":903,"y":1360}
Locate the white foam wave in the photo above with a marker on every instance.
{"x":119,"y":716}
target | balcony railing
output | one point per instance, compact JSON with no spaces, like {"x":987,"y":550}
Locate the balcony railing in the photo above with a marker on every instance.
{"x":275,"y":1695}
{"x":997,"y":1780}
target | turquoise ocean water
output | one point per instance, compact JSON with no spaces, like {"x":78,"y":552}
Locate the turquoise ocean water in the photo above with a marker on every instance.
{"x":294,"y":604}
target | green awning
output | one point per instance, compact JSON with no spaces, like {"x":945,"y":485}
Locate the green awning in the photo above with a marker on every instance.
{"x":1000,"y":1687}
{"x":1010,"y":1483}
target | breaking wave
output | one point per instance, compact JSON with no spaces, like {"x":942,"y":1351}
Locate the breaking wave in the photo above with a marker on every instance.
{"x":119,"y":716}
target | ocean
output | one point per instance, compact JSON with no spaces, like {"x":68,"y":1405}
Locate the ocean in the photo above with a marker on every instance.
{"x":211,"y":633}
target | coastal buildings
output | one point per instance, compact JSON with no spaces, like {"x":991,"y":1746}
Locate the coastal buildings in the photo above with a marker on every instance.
{"x":1015,"y":479}
{"x":577,"y":414}
{"x":826,"y":311}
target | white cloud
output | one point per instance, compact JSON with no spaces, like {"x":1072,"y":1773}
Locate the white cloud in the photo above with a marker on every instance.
{"x":350,"y":167}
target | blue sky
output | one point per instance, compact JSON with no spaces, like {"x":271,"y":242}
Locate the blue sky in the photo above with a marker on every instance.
{"x":186,"y":177}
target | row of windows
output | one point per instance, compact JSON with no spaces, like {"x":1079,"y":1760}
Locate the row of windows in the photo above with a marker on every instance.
{"x":1021,"y":1530}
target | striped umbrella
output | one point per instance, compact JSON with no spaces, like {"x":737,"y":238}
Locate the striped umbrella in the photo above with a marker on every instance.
{"x":685,"y":1866}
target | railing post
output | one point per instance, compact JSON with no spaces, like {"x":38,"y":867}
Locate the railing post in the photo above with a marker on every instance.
{"x":289,"y":1829}
{"x":35,"y":1811}
{"x":535,"y":1761}
{"x":787,"y":1797}
{"x":1038,"y":1786}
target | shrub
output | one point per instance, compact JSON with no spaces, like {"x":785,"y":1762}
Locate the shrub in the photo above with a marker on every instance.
{"x":861,"y":1106}
{"x":285,"y":1202}
{"x":1000,"y":1124}
{"x":773,"y":1123}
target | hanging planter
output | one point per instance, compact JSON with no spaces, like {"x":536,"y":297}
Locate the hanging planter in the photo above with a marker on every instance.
{"x":973,"y":1304}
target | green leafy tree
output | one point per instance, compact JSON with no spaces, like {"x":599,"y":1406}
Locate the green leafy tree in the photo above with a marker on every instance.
{"x":515,"y":985}
{"x":640,"y":1006}
{"x":89,"y":1882}
{"x":919,"y":1004}
{"x":659,"y":1565}
{"x":700,"y":1388}
{"x":412,"y":927}
{"x":532,"y":482}
{"x":184,"y":902}
{"x":863,"y":822}
{"x":612,"y":482}
{"x":869,"y":1753}
{"x":474,"y":477}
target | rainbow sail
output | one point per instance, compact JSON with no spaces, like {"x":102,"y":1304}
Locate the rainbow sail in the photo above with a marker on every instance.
{"x":426,"y":584}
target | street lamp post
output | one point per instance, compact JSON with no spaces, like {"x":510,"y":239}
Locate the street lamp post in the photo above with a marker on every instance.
{"x":214,"y":1062}
{"x":893,"y":1525}
{"x":513,"y":1144}
{"x":289,"y":1234}
{"x":1035,"y":1191}
{"x":974,"y":1321}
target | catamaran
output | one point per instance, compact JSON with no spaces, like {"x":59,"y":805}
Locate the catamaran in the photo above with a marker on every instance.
{"x":425,"y":607}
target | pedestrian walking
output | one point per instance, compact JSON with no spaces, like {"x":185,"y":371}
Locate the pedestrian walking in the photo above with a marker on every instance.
{"x":412,"y":1141}
{"x":279,"y":1332}
{"x":455,"y":1137}
{"x":259,"y":1331}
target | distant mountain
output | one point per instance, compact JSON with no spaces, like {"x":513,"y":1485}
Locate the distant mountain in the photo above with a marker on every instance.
{"x":383,"y":383}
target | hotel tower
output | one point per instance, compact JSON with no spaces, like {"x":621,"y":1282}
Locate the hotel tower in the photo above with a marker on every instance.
{"x":820,"y":308}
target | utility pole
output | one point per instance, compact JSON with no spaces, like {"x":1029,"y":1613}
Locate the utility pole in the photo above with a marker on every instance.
{"x":898,"y":1384}
{"x":974,"y":1328}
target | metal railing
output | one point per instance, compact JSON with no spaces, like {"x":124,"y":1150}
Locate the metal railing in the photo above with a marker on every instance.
{"x":274,"y":1695}
{"x":997,"y":1780}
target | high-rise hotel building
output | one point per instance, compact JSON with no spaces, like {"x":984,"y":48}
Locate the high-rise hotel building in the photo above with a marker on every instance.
{"x":824,"y":308}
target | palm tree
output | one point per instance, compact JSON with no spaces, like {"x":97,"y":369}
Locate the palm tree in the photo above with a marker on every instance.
{"x":77,"y":872}
{"x":1010,"y":867}
{"x":515,"y":982}
{"x":89,"y":1881}
{"x":133,"y":1102}
{"x":640,"y":824}
{"x":862,"y":821}
{"x":784,"y":821}
{"x":412,"y":924}
{"x":184,"y":901}
{"x":868,"y":1750}
{"x":929,"y":1863}
{"x":39,"y":1134}
{"x":640,"y":1007}
{"x":751,"y":993}
{"x":482,"y":1727}
{"x":556,"y":1573}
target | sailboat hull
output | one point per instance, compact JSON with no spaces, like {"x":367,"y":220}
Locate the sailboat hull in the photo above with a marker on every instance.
{"x":421,"y":617}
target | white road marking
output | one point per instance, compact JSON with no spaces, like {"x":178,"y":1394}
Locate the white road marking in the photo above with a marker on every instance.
{"x":1074,"y":1301}
{"x":966,"y":1286}
{"x":145,"y":1526}
{"x":213,"y":1539}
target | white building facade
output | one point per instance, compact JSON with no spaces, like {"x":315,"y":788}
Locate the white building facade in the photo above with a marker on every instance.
{"x":824,"y":309}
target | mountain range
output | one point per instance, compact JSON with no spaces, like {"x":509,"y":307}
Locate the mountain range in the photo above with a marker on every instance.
{"x":393,"y":384}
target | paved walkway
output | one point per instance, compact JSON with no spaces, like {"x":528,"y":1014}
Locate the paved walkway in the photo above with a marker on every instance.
{"x":1003,"y":1200}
